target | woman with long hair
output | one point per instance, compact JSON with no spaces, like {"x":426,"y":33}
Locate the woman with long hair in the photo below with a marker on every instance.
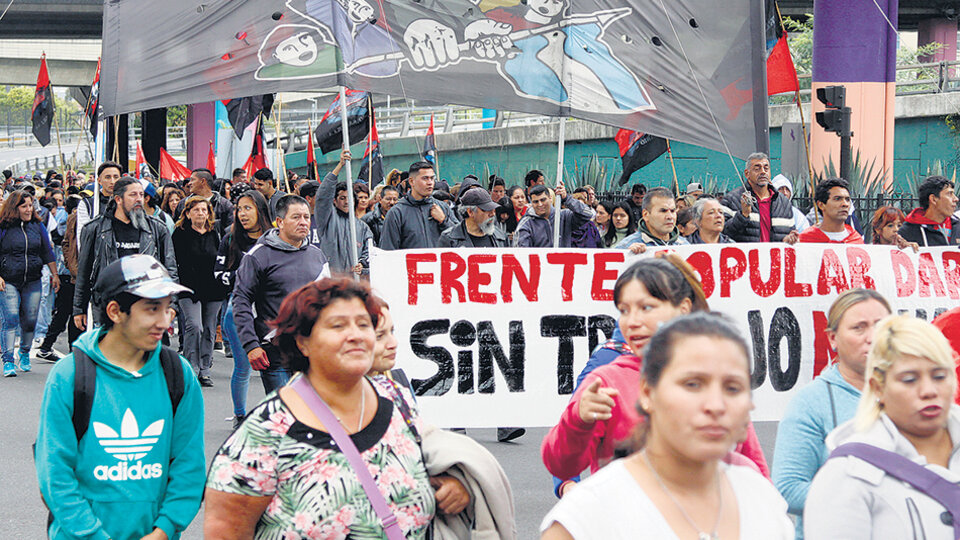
{"x":24,"y":250}
{"x":601,"y":414}
{"x":196,"y":243}
{"x":694,"y":400}
{"x":172,"y":195}
{"x":908,"y":430}
{"x":830,"y":400}
{"x":361,"y":199}
{"x":251,"y":219}
{"x":622,"y":223}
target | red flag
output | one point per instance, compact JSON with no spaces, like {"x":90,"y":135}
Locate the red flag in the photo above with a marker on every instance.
{"x":43,"y":105}
{"x":212,"y":160}
{"x":311,"y":154}
{"x":138,"y":165}
{"x":170,"y":168}
{"x":257,"y":159}
{"x":781,"y":74}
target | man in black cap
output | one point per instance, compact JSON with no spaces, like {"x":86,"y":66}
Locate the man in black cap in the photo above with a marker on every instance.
{"x":479,"y":225}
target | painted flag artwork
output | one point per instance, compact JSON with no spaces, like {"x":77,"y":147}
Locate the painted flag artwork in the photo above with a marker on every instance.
{"x":329,"y":133}
{"x":781,"y":73}
{"x":244,"y":111}
{"x":92,"y":109}
{"x":170,"y":168}
{"x":371,"y":168}
{"x":430,"y":144}
{"x":691,"y":71}
{"x":43,"y":106}
{"x":637,"y":150}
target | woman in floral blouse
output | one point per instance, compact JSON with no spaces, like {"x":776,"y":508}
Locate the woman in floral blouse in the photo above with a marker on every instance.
{"x":280,"y":475}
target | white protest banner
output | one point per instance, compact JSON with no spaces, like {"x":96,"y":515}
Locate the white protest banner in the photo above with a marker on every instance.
{"x":497,"y":337}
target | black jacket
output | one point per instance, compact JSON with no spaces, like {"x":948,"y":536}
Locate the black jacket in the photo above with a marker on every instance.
{"x":24,"y":249}
{"x":917,"y":228}
{"x":458,"y":236}
{"x":743,"y":229}
{"x":196,"y":259}
{"x":374,"y":220}
{"x":98,"y":248}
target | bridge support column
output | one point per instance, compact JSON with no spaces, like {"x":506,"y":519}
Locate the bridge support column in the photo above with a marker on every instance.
{"x":153,"y":137}
{"x":201,"y":131}
{"x":846,"y":39}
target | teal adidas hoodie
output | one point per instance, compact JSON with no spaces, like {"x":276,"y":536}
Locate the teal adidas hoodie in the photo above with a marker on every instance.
{"x":136,"y":468}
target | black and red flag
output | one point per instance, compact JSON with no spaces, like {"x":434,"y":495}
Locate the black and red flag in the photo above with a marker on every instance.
{"x":311,"y":154}
{"x":637,"y":150}
{"x":372,"y":174}
{"x":43,"y":106}
{"x":244,"y":111}
{"x":430,"y":144}
{"x":93,"y":103}
{"x":781,"y":73}
{"x":258,"y":158}
{"x":330,"y":133}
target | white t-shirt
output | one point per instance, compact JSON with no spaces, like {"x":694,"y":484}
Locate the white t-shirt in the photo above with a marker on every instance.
{"x":836,"y":236}
{"x":611,"y":505}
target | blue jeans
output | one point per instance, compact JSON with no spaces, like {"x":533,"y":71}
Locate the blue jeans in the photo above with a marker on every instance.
{"x":47,"y":298}
{"x":240,"y":380}
{"x":276,"y":375}
{"x":19,"y":306}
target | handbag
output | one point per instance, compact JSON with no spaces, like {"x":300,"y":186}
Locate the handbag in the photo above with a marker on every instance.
{"x":343,"y":441}
{"x":921,"y":478}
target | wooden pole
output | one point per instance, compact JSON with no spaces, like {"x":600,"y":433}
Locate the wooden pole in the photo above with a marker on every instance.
{"x":344,"y":125}
{"x":676,"y":183}
{"x":280,"y":157}
{"x":558,"y":204}
{"x":56,"y":123}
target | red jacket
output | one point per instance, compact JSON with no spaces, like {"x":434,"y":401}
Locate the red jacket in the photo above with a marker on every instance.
{"x":813,"y":235}
{"x":949,"y":324}
{"x":573,"y":445}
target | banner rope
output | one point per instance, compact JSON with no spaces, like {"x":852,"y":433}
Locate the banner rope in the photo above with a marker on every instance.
{"x":5,"y":10}
{"x":702,"y":95}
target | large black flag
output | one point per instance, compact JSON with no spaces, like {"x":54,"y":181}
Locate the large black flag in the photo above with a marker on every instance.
{"x":92,"y":109}
{"x":637,"y":150}
{"x":243,"y":111}
{"x":43,"y":106}
{"x":329,"y":133}
{"x":372,"y":175}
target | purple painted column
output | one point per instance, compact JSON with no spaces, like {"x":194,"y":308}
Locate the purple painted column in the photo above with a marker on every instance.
{"x":943,"y":31}
{"x":854,"y":46}
{"x":201,"y":130}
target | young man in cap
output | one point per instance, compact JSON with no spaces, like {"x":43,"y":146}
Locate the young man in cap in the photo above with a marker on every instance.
{"x":139,"y":470}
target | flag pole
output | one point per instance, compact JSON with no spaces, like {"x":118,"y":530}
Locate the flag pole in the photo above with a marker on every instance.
{"x":557,"y":202}
{"x":803,"y":128}
{"x":280,"y":157}
{"x":344,"y":128}
{"x":56,"y":124}
{"x":370,"y":142}
{"x":313,"y":150}
{"x":676,"y":184}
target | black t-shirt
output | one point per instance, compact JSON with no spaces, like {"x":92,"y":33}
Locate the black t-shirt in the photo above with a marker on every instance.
{"x":127,"y":237}
{"x":482,"y":241}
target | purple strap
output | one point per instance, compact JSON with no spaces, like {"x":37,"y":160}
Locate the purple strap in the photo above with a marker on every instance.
{"x":340,"y":437}
{"x":923,"y":479}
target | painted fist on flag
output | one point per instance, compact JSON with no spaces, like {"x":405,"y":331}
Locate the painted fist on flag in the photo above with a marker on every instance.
{"x":488,"y":38}
{"x":432,"y":44}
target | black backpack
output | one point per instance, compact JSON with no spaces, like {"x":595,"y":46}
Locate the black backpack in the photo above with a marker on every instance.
{"x":85,"y":385}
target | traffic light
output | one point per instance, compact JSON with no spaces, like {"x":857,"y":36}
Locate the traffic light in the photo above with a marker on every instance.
{"x":836,"y":117}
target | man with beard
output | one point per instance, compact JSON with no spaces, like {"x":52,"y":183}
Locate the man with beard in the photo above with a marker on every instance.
{"x":758,"y":214}
{"x":123,"y":229}
{"x":479,"y":226}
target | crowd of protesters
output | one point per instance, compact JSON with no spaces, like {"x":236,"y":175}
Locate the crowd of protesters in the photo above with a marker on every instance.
{"x":262,"y":269}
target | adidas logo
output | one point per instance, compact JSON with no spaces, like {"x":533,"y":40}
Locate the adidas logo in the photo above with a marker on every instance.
{"x":128,"y":446}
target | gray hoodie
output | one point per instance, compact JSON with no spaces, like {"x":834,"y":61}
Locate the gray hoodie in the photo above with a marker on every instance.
{"x":851,"y":499}
{"x":536,"y":231}
{"x":408,"y":224}
{"x":270,"y":271}
{"x":334,"y":231}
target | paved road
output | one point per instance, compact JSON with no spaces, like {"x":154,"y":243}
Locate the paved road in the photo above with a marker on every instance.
{"x":9,"y":156}
{"x":23,"y":515}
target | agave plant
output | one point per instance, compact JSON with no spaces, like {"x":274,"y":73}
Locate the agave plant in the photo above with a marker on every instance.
{"x":866,"y":182}
{"x":589,"y":171}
